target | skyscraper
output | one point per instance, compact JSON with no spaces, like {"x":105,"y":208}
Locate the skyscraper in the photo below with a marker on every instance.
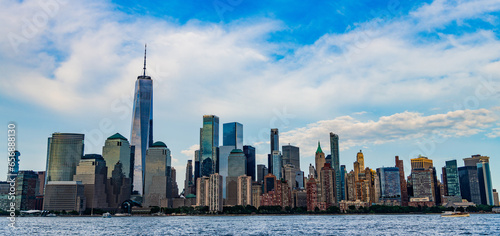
{"x":360,"y":159}
{"x":277,"y":164}
{"x":157,"y":173}
{"x":452,"y":179}
{"x":327,"y":176}
{"x":319,"y":160}
{"x":142,"y":126}
{"x":485,"y":185}
{"x":117,"y":149}
{"x":250,"y":154}
{"x":389,"y":183}
{"x":232,"y":135}
{"x":469,"y":184}
{"x":334,"y":148}
{"x":26,"y":190}
{"x":402,"y":181}
{"x":209,"y":145}
{"x":244,"y":191}
{"x":215,"y":200}
{"x":343,"y":173}
{"x":13,"y":170}
{"x":291,"y":155}
{"x":261,"y":172}
{"x":275,"y":140}
{"x":236,"y":168}
{"x":92,"y":172}
{"x":223,"y":159}
{"x":63,"y":155}
{"x":188,"y":180}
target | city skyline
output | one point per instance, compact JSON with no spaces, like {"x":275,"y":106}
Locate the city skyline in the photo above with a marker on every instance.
{"x":302,"y":88}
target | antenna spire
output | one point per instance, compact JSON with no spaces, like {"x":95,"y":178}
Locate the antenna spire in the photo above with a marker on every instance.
{"x":145,"y":47}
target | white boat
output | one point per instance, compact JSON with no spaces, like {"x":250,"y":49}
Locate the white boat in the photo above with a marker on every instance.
{"x":106,"y":215}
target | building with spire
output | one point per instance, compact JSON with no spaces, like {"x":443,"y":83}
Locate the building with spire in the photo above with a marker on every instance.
{"x":142,"y":126}
{"x":319,"y":160}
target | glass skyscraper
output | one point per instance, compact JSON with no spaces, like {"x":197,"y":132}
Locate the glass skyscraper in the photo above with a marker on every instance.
{"x":334,"y":148}
{"x":469,"y":184}
{"x":485,"y":185}
{"x":209,"y":145}
{"x":142,"y":126}
{"x":291,"y":155}
{"x":275,"y":140}
{"x":277,"y":164}
{"x":250,"y":154}
{"x":223,"y":159}
{"x":63,"y":155}
{"x":117,"y":149}
{"x":390,"y":187}
{"x":232,"y":135}
{"x":157,"y":173}
{"x":452,"y":178}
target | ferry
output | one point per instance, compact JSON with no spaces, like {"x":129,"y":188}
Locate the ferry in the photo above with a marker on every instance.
{"x":106,"y":215}
{"x":455,"y":214}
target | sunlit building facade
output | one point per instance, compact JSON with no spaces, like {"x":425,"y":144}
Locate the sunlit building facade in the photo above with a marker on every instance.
{"x":63,"y":155}
{"x":209,"y":143}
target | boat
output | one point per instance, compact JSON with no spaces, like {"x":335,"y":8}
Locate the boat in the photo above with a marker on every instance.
{"x":106,"y":215}
{"x":454,"y":214}
{"x":122,"y":214}
{"x":51,"y":215}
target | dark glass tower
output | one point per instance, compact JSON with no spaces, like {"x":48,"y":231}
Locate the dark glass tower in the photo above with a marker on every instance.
{"x":334,"y":148}
{"x":275,"y":140}
{"x":452,"y":179}
{"x":291,"y":155}
{"x":142,"y":126}
{"x":209,"y":145}
{"x":232,"y":135}
{"x":250,"y":154}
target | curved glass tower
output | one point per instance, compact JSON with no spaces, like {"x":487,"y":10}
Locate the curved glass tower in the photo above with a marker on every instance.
{"x":142,"y":126}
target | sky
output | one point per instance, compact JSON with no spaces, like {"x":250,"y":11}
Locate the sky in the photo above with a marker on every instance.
{"x":391,"y":78}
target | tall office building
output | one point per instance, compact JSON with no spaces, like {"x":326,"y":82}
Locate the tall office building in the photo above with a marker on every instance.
{"x":117,"y":149}
{"x":118,"y":187}
{"x":277,"y":164}
{"x":319,"y":161}
{"x":188,"y":180}
{"x":312,"y":194}
{"x":423,"y":184}
{"x":421,"y":163}
{"x":335,"y":163}
{"x":299,"y":179}
{"x":197,"y":157}
{"x":289,"y":174}
{"x":202,"y":191}
{"x":26,"y":190}
{"x":244,"y":190}
{"x":232,"y":135}
{"x":360,"y":159}
{"x":469,"y":184}
{"x":63,"y":155}
{"x":250,"y":155}
{"x":175,"y":187}
{"x":92,"y":173}
{"x":215,"y":200}
{"x":389,"y":184}
{"x":328,"y":191}
{"x":236,"y":168}
{"x":485,"y":185}
{"x":451,"y":178}
{"x":269,"y":183}
{"x":402,"y":181}
{"x":157,"y":169}
{"x":209,"y":145}
{"x":13,"y":170}
{"x":291,"y":155}
{"x":275,"y":140}
{"x":261,"y":172}
{"x":64,"y":195}
{"x":223,"y":159}
{"x":343,"y":173}
{"x":142,"y":126}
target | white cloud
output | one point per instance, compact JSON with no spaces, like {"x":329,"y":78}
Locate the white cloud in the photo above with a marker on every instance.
{"x":189,"y":153}
{"x":396,"y":127}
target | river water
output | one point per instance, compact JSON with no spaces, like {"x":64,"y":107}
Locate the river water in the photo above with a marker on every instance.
{"x":476,"y":224}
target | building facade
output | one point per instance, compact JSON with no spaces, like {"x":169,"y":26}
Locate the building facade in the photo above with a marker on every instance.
{"x":92,"y":173}
{"x":236,"y":168}
{"x":63,"y":155}
{"x":209,"y":143}
{"x":157,"y":181}
{"x":291,"y":155}
{"x":232,"y":135}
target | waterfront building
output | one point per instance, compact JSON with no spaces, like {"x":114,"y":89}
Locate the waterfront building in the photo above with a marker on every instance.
{"x":312,"y":194}
{"x":451,"y":179}
{"x":299,"y":198}
{"x":328,"y":190}
{"x":244,"y":190}
{"x":117,"y":149}
{"x":291,"y":155}
{"x":402,"y":181}
{"x":202,"y":193}
{"x":63,"y":155}
{"x":319,"y":160}
{"x":389,"y":188}
{"x":277,"y":164}
{"x":209,"y":144}
{"x":64,"y":195}
{"x":236,"y":168}
{"x":469,"y":184}
{"x":188,"y":180}
{"x":215,"y":200}
{"x":92,"y":173}
{"x":423,"y":184}
{"x":335,"y":163}
{"x":261,"y":172}
{"x":141,"y":135}
{"x":232,"y":135}
{"x":26,"y":190}
{"x":256,"y":193}
{"x":485,"y":184}
{"x":158,"y":174}
{"x":118,"y":187}
{"x":250,"y":156}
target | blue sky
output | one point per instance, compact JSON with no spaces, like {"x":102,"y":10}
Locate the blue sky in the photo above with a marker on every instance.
{"x":390,"y":77}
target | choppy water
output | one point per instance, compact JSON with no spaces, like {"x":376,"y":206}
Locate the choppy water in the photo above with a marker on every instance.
{"x":487,"y":224}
